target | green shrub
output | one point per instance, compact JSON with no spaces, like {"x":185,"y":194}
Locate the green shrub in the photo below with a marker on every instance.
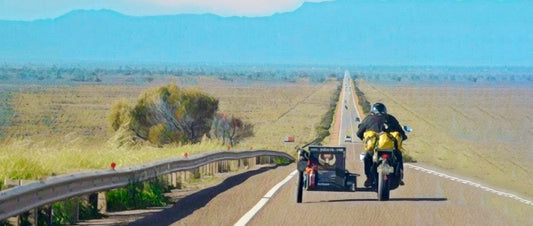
{"x":167,"y":114}
{"x":281,"y":161}
{"x":138,"y":195}
{"x":120,"y":114}
{"x":63,"y":212}
{"x":362,"y":100}
{"x":325,"y":124}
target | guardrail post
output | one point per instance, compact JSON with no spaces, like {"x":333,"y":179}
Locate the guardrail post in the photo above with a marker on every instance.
{"x":171,"y":180}
{"x":76,"y":212}
{"x":181,"y":174}
{"x":194,"y":173}
{"x":13,"y":220}
{"x":187,"y":176}
{"x":179,"y":180}
{"x":33,"y":217}
{"x":174,"y":180}
{"x":93,"y":202}
{"x":102,"y":202}
{"x":49,"y":214}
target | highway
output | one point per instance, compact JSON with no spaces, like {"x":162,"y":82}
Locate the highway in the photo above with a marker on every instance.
{"x":426,"y":199}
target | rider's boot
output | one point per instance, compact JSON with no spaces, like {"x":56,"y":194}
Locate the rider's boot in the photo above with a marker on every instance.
{"x":368,"y":181}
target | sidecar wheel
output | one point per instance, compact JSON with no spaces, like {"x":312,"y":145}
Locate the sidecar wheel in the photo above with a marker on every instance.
{"x":299,"y":187}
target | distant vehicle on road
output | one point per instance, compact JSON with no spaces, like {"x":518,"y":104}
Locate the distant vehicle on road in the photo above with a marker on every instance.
{"x":348,"y":139}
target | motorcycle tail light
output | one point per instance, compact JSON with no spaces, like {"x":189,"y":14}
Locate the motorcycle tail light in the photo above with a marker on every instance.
{"x":385,"y":156}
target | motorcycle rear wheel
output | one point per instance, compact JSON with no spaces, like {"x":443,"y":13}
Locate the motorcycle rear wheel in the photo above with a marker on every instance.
{"x":383,"y":187}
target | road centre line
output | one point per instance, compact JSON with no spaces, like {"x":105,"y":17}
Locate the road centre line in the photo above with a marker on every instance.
{"x":251,"y":213}
{"x":477,"y":185}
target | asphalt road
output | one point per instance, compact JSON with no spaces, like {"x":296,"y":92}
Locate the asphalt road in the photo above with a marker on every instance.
{"x":426,"y":199}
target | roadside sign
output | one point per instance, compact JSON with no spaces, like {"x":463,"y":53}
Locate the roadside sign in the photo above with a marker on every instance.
{"x":289,"y":139}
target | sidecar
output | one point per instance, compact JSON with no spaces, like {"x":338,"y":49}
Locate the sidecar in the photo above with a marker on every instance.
{"x":323,"y":168}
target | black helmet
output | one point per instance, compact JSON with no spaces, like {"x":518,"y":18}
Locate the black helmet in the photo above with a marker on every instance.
{"x":378,"y":108}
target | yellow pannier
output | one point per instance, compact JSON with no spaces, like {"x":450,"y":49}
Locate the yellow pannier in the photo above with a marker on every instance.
{"x":383,"y":140}
{"x":369,"y":140}
{"x":398,"y":137}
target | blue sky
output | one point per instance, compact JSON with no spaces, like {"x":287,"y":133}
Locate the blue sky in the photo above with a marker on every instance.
{"x":363,"y":32}
{"x":43,"y":9}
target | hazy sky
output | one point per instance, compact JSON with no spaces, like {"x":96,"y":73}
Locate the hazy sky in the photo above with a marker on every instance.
{"x":41,"y":9}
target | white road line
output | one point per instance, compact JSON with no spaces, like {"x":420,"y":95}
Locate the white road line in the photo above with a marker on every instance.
{"x":467,"y":182}
{"x":251,"y":213}
{"x":262,"y":202}
{"x":485,"y":188}
{"x":342,"y":104}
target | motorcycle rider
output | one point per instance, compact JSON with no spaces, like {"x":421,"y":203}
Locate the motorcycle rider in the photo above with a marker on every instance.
{"x":379,"y":121}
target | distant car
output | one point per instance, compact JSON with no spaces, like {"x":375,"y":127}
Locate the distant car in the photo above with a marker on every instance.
{"x":348,"y":139}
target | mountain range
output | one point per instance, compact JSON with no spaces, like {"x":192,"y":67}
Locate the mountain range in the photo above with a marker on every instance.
{"x":353,"y":32}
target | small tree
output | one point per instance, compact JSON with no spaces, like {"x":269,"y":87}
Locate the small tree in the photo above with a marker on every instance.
{"x":120,"y":114}
{"x":230,"y":129}
{"x":168,"y":114}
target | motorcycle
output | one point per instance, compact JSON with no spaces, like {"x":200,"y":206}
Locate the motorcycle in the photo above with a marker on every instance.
{"x":386,"y":170}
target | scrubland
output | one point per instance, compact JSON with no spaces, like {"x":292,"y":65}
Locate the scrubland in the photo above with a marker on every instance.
{"x":483,"y":132}
{"x":50,"y":130}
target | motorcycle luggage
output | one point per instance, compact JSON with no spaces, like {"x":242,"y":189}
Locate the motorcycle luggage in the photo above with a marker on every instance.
{"x":369,"y":140}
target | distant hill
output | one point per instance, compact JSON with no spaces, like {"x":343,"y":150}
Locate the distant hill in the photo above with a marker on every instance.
{"x":337,"y":32}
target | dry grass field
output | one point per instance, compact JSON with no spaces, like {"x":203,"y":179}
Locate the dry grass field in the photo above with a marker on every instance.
{"x":64,"y":129}
{"x":276,"y":110}
{"x":482,"y":132}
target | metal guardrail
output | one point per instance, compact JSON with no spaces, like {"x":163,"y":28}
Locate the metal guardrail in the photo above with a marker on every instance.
{"x":24,"y":198}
